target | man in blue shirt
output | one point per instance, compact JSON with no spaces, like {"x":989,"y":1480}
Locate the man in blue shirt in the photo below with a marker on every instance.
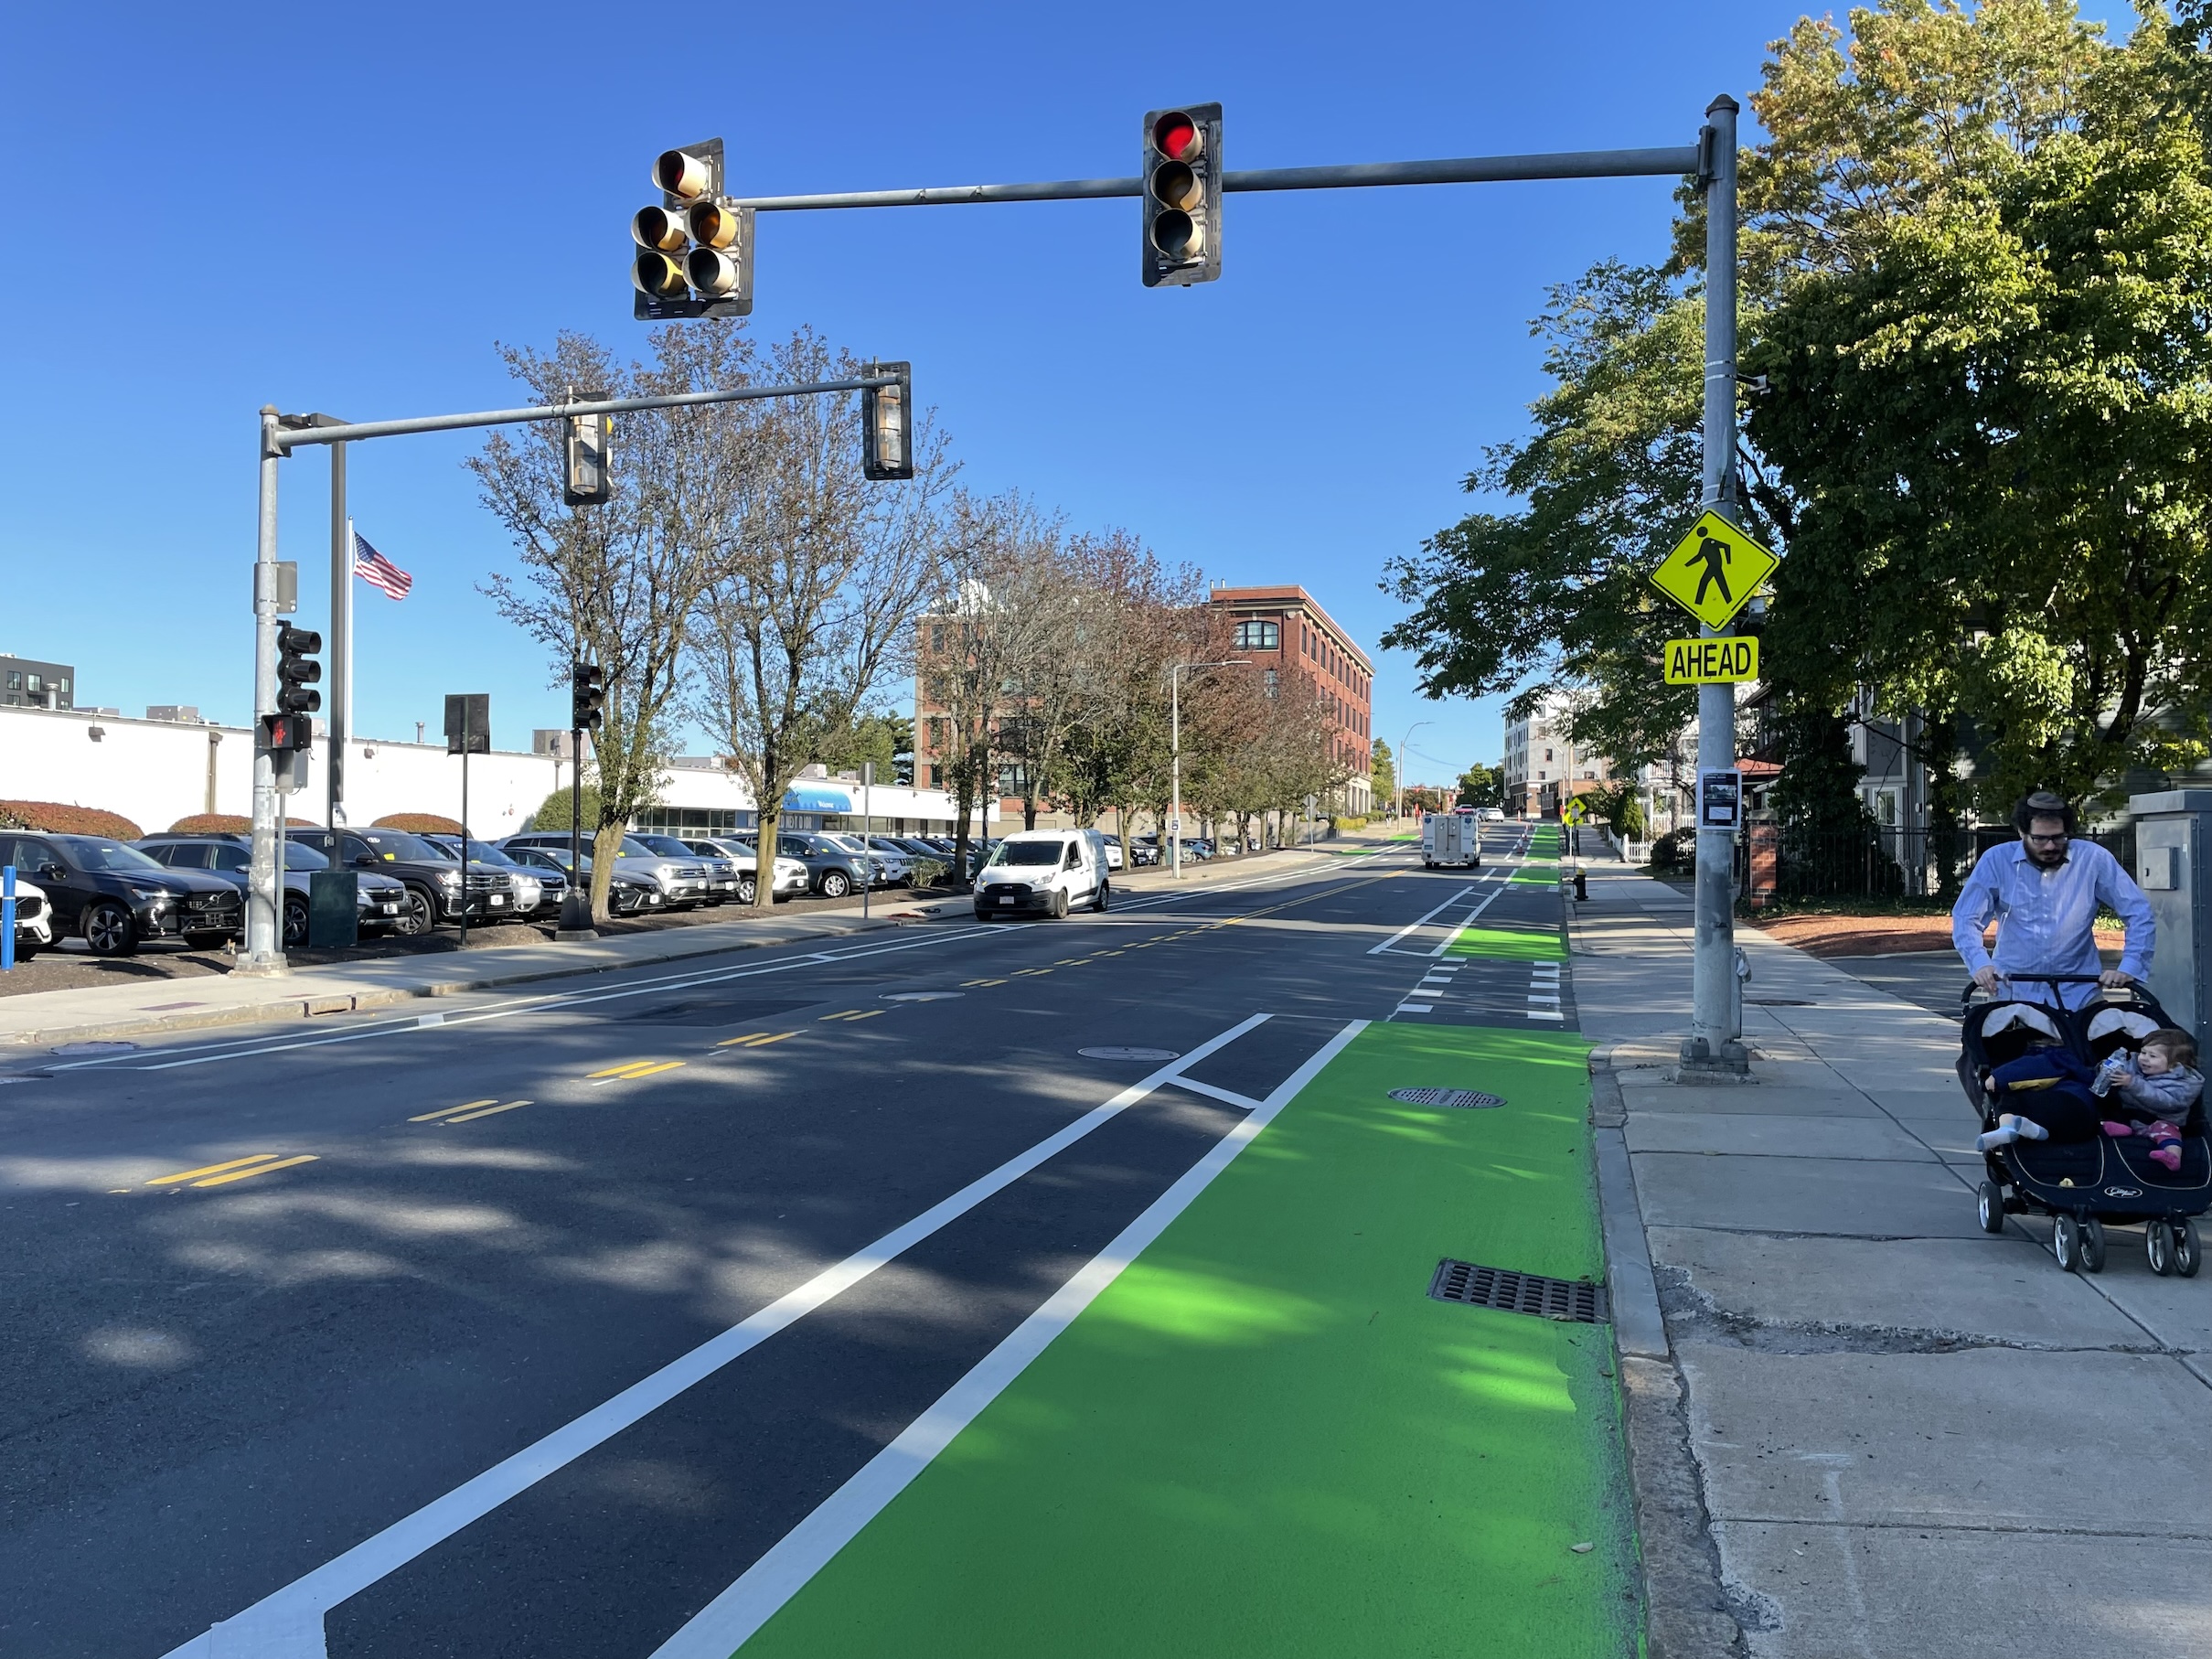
{"x":2044,"y":890}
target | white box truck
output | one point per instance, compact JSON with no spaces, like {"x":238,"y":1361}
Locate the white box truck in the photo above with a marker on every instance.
{"x":1451,"y":838}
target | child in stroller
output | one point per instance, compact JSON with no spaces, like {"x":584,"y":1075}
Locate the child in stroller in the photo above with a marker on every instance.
{"x":2031,"y":1067}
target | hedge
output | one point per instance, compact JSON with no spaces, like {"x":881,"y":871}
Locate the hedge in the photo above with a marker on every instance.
{"x":59,"y":819}
{"x":230,"y":823}
{"x":419,"y":823}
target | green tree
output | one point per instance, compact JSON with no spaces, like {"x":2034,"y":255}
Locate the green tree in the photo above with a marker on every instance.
{"x":1481,"y":785}
{"x":1381,"y":769}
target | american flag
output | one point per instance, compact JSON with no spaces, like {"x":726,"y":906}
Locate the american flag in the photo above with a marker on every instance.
{"x":379,"y":572}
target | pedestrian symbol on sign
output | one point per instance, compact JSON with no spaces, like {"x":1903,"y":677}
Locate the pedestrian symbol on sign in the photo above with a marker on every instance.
{"x":1713,"y":570}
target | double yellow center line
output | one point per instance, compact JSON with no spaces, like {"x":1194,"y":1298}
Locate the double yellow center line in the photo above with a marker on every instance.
{"x":756,"y":1039}
{"x":468,"y":1110}
{"x":236,"y":1169}
{"x":630,"y":1071}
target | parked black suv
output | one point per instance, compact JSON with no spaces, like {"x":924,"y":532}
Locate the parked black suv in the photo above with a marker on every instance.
{"x":117,"y":898}
{"x":433,"y":879}
{"x":379,"y":902}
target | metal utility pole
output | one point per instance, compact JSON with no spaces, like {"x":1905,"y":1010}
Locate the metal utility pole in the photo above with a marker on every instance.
{"x":1176,"y":671}
{"x":340,"y":726}
{"x":1713,"y":1044}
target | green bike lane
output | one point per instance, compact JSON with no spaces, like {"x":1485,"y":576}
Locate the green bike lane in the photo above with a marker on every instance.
{"x":1263,"y":1436}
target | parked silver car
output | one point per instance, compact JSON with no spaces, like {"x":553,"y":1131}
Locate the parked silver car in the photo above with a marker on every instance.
{"x":791,"y":876}
{"x":680,"y":883}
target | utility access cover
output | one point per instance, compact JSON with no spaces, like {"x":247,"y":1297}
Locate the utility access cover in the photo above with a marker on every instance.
{"x":1562,"y":1299}
{"x":1129,"y":1054}
{"x":1462,"y":1100}
{"x":1713,"y":570}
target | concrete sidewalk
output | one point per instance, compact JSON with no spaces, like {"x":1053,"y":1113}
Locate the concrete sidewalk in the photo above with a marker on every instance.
{"x":44,"y":1019}
{"x":1862,"y":1427}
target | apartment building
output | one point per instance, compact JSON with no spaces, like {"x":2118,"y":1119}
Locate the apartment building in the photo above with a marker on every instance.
{"x":1544,"y":767}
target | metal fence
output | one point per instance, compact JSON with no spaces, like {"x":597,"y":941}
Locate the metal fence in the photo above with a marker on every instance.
{"x":1775,"y":862}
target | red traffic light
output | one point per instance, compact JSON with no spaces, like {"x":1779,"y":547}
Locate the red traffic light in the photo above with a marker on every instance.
{"x":1178,"y":137}
{"x":1182,"y":182}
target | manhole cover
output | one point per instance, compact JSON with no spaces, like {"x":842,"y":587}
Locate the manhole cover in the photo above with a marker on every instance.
{"x":922,"y":996}
{"x":1464,"y":1099}
{"x":1562,"y":1299}
{"x":1129,"y":1054}
{"x":75,"y":1049}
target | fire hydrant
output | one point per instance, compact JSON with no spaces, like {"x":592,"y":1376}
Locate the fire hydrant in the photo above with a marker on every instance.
{"x":1582,"y":883}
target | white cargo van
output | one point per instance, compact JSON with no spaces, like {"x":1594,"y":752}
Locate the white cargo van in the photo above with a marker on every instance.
{"x":1043,"y":873}
{"x":1451,"y":838}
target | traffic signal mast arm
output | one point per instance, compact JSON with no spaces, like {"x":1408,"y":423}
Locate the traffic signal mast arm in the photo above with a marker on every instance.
{"x":1464,"y":170}
{"x":287,"y":436}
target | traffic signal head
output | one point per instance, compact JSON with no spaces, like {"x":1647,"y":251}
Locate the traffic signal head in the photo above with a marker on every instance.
{"x":887,"y":419}
{"x":287,"y":733}
{"x":694,"y":251}
{"x":298,"y":671}
{"x":587,"y":697}
{"x":1182,"y":175}
{"x":586,"y":476}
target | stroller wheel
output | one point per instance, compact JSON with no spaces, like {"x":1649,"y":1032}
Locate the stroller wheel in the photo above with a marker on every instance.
{"x":2188,"y":1251}
{"x":2092,"y":1244}
{"x":2065,"y":1244}
{"x":2158,"y":1247}
{"x":1990,"y":1205}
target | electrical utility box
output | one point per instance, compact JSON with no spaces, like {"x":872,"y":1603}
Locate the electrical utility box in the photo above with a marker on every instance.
{"x":1451,"y":838}
{"x":2174,"y":868}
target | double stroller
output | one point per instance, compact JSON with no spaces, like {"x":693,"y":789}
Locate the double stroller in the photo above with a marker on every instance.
{"x":2091,"y":1185}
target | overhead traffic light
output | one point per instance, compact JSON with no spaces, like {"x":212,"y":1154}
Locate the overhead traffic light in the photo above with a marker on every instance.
{"x":695,"y":250}
{"x":887,"y":416}
{"x":298,"y":671}
{"x":1182,"y":174}
{"x":586,"y":478}
{"x":587,"y":697}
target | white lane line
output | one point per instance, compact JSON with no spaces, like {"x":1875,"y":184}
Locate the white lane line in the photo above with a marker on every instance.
{"x":1415,"y":1008}
{"x":1489,"y":899}
{"x":729,"y":1621}
{"x":1546,"y":1013}
{"x":1230,"y":1096}
{"x":1409,"y":927}
{"x":288,"y":1623}
{"x":1418,"y":991}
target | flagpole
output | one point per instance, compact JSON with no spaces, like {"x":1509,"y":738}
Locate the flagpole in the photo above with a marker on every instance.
{"x":341,"y":645}
{"x":346,"y":670}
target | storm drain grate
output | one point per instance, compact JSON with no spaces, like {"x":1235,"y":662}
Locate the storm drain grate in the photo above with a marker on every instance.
{"x":1562,"y":1299}
{"x":1464,"y":1099}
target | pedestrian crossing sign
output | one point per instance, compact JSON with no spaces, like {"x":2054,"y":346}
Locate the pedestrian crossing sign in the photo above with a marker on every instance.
{"x":1713,"y":570}
{"x":1573,"y":812}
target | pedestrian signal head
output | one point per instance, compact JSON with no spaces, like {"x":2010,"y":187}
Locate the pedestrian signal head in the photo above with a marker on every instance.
{"x":1181,"y":206}
{"x":587,"y":477}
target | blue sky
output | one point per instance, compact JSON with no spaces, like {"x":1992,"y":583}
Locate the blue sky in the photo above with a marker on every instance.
{"x":344,"y":209}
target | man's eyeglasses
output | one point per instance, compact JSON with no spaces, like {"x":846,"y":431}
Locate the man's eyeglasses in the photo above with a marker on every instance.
{"x":2050,"y":841}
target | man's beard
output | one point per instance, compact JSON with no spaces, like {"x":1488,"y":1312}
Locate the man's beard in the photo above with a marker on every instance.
{"x":2047,"y":858}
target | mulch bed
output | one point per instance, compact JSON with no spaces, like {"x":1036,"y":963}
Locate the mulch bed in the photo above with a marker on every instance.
{"x":1876,"y":936}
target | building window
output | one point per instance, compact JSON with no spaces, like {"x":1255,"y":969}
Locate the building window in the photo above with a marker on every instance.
{"x":1547,"y":754}
{"x":33,"y":684}
{"x":15,"y":679}
{"x":936,"y":777}
{"x":936,"y":637}
{"x":62,"y":685}
{"x":1259,"y":637}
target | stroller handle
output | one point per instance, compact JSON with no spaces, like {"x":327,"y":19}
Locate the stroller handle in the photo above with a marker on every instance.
{"x":1967,"y":995}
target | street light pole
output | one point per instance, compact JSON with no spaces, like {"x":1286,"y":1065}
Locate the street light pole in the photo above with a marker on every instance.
{"x":1398,"y":807}
{"x":1175,"y":672}
{"x":265,"y":953}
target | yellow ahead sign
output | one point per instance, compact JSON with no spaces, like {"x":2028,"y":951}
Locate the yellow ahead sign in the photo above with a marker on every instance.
{"x":1713,"y":570}
{"x":1696,"y":662}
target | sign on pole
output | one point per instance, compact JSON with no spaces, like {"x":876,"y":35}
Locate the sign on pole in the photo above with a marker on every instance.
{"x":1713,"y":570}
{"x":1720,"y":800}
{"x":1726,"y":658}
{"x":1573,"y":812}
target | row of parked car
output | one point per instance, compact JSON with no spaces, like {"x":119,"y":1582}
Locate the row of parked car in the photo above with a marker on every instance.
{"x":117,"y":895}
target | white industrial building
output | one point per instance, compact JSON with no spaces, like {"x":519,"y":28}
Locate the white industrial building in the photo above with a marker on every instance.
{"x":156,"y":771}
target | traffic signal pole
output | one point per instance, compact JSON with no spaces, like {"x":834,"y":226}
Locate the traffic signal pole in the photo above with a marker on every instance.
{"x":281,"y":435}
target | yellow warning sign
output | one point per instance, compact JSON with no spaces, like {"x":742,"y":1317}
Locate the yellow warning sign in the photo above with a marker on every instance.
{"x":1696,"y":662}
{"x":1573,"y":812}
{"x":1713,"y":570}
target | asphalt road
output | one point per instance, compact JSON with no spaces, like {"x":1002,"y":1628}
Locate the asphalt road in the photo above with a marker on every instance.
{"x":525,"y":1327}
